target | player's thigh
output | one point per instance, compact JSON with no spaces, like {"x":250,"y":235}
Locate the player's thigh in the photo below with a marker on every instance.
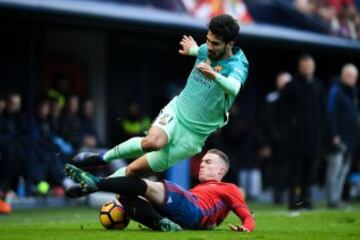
{"x":155,"y":192}
{"x":166,"y":121}
{"x":158,"y":161}
{"x":184,"y":145}
{"x":156,"y":137}
{"x":183,"y":150}
{"x":168,"y":156}
{"x":180,"y":206}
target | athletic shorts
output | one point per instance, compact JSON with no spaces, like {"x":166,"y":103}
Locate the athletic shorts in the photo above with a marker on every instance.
{"x":181,"y":206}
{"x":182,"y":143}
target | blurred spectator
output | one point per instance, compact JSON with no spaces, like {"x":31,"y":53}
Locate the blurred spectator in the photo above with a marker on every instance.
{"x":343,"y":111}
{"x":70,"y":123}
{"x":61,"y":89}
{"x":305,"y":6}
{"x":48,"y":166}
{"x":88,"y":127}
{"x":239,"y":138}
{"x":2,"y":105}
{"x":134,"y":124}
{"x":339,"y":4}
{"x":272,"y":140}
{"x":357,"y":25}
{"x":65,"y":149}
{"x":169,"y":5}
{"x":14,"y":138}
{"x":207,"y":9}
{"x":233,"y":136}
{"x":5,"y":182}
{"x":340,"y":15}
{"x":302,"y":105}
{"x":18,"y":152}
{"x":345,"y":24}
{"x":55,"y":116}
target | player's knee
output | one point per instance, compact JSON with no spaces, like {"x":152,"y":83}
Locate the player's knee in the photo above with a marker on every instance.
{"x":153,"y":143}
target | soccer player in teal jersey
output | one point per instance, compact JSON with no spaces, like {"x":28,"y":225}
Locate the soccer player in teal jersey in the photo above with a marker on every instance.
{"x":182,"y":126}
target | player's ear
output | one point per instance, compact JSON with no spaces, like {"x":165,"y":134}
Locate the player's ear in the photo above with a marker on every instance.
{"x":231,"y":44}
{"x":222,"y":171}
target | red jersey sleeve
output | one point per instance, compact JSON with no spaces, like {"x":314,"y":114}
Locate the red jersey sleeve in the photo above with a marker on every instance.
{"x":235,"y":200}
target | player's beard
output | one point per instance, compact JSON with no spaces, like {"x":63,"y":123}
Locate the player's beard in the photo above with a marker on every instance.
{"x":217,"y":55}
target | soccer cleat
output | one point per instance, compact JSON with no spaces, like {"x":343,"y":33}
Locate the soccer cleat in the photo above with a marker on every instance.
{"x":166,"y":225}
{"x":87,"y":181}
{"x":75,"y":191}
{"x":88,"y":159}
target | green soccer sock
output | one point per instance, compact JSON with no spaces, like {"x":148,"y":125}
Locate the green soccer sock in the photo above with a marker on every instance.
{"x":118,"y":173}
{"x":128,"y":149}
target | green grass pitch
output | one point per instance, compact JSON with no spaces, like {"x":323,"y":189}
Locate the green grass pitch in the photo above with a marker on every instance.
{"x":271,"y":223}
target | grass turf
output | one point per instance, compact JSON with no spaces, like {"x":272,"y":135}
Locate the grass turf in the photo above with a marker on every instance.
{"x":271,"y":223}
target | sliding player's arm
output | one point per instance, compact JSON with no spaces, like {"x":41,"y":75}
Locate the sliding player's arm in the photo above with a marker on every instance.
{"x":235,"y":199}
{"x":189,"y":46}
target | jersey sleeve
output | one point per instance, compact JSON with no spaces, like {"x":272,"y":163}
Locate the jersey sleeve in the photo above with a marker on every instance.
{"x":235,"y":200}
{"x":229,"y":85}
{"x":202,"y":53}
{"x":239,"y":69}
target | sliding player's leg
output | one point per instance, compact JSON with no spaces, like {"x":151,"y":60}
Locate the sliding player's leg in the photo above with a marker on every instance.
{"x":142,"y":211}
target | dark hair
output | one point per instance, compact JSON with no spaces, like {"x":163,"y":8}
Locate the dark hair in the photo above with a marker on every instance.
{"x":305,"y":56}
{"x":224,"y":26}
{"x":222,"y":156}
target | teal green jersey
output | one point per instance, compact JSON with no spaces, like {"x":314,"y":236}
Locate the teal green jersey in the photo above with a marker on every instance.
{"x":202,"y":106}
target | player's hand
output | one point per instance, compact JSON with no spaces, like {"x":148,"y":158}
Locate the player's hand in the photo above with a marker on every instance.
{"x":207,"y":70}
{"x":186,"y":43}
{"x":238,"y":228}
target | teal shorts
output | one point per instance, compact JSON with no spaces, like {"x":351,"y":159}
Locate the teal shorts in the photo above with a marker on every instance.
{"x":182,"y":143}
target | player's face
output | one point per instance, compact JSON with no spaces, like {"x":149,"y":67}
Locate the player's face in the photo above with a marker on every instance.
{"x":211,"y":168}
{"x":216,"y":47}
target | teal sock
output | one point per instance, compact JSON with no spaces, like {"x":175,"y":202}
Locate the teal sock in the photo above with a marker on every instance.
{"x":118,"y":173}
{"x":128,"y":149}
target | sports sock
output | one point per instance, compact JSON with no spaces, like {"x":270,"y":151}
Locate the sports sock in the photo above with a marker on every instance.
{"x":128,"y":186}
{"x":128,"y":149}
{"x":118,"y":173}
{"x":142,"y":211}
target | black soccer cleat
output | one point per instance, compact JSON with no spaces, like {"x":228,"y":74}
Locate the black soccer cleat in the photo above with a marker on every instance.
{"x":87,"y":159}
{"x":75,"y":191}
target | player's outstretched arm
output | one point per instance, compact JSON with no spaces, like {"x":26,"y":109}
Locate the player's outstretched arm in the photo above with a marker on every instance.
{"x":188,"y":46}
{"x":234,"y":198}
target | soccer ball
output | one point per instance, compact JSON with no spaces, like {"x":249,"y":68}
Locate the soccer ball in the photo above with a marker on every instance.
{"x":113,"y":216}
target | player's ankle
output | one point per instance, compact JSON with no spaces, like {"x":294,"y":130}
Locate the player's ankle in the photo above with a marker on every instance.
{"x":101,"y":156}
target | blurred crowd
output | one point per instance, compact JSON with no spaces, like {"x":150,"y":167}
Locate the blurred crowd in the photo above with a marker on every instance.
{"x":342,"y":16}
{"x":35,"y":144}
